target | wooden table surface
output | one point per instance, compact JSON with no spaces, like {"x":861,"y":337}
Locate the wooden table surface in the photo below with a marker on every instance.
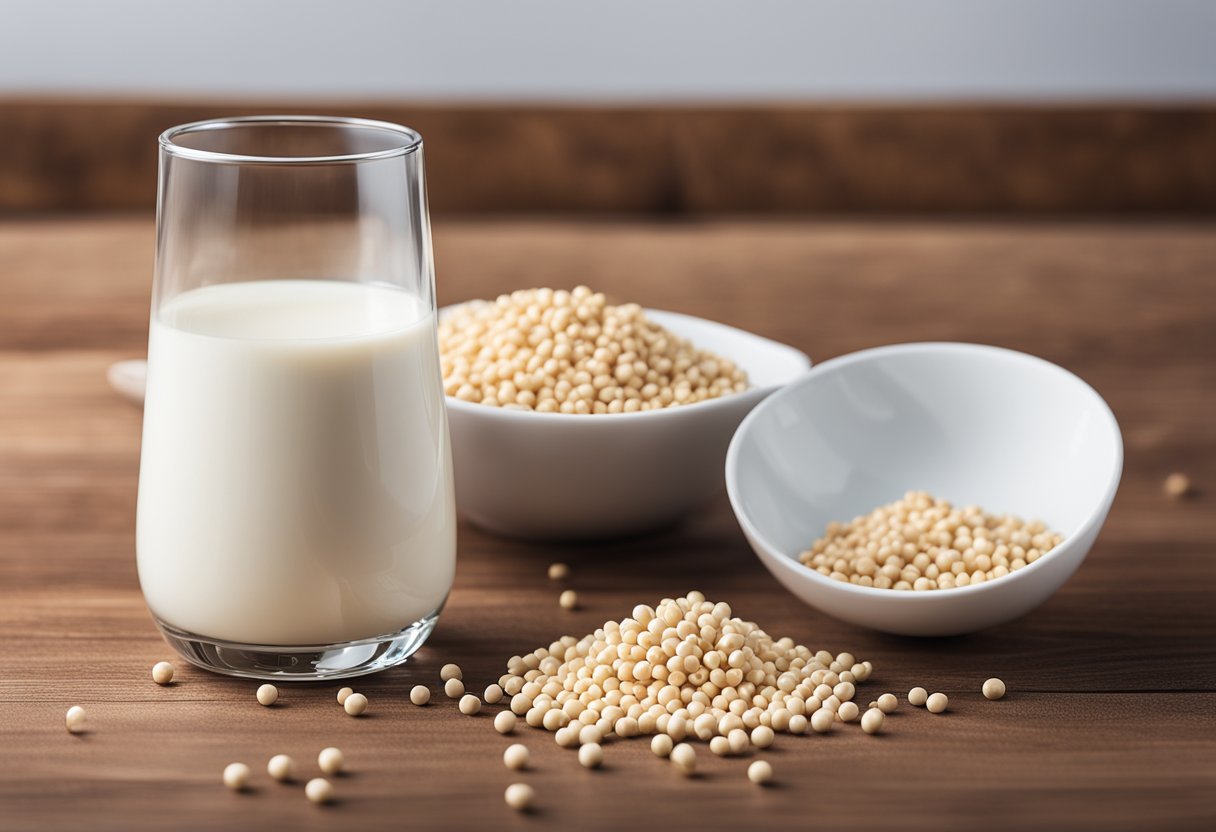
{"x":1110,"y":722}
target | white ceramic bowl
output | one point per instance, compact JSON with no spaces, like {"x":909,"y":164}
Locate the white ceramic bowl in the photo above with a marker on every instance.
{"x":563,"y":477}
{"x":975,"y":425}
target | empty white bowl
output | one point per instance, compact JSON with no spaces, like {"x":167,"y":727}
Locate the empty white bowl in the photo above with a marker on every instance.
{"x":975,"y":425}
{"x":565,"y":477}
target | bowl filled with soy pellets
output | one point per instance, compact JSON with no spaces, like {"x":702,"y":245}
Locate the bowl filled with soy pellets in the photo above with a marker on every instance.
{"x":574,"y":417}
{"x":926,"y":489}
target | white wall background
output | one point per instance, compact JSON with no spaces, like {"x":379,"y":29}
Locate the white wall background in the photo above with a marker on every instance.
{"x":622,"y":50}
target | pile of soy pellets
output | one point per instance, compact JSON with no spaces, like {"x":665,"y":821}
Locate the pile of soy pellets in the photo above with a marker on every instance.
{"x":686,"y":669}
{"x":555,"y":351}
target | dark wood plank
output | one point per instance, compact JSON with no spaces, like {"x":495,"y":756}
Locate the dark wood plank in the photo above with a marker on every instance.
{"x":88,"y":155}
{"x":1111,"y":718}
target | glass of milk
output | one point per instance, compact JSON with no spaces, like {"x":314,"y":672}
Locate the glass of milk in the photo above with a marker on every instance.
{"x":295,"y":515}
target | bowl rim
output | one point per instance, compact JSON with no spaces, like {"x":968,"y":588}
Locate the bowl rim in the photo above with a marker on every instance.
{"x":720,"y":403}
{"x":795,"y":568}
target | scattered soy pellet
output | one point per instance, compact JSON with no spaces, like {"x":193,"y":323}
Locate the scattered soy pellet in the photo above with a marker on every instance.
{"x":1177,"y":485}
{"x":355,"y":704}
{"x":798,"y":723}
{"x":994,"y":688}
{"x":519,"y":796}
{"x":719,"y":746}
{"x":847,"y":711}
{"x":821,"y":720}
{"x":236,"y":776}
{"x":760,"y":772}
{"x":516,"y":756}
{"x":922,"y":543}
{"x":267,"y":695}
{"x":936,"y":703}
{"x":661,"y":745}
{"x":887,"y":703}
{"x":453,"y":688}
{"x":589,"y":734}
{"x":319,"y":790}
{"x":762,"y":736}
{"x":558,"y":571}
{"x":343,"y":693}
{"x":469,"y":704}
{"x":450,"y":671}
{"x":872,"y":720}
{"x":75,"y":719}
{"x":162,"y":673}
{"x":918,"y":697}
{"x":568,"y":600}
{"x":739,"y":741}
{"x":331,"y":760}
{"x":281,"y":767}
{"x":684,"y":757}
{"x":420,"y":695}
{"x":591,"y":755}
{"x":504,"y":722}
{"x":565,"y":737}
{"x":493,"y":694}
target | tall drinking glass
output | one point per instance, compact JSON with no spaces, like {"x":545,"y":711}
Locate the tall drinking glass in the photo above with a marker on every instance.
{"x":295,"y":516}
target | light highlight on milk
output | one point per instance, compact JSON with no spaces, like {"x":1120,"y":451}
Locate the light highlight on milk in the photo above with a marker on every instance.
{"x":295,"y":485}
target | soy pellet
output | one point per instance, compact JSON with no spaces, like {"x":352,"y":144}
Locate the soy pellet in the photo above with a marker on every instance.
{"x":887,"y":703}
{"x":493,"y":695}
{"x":343,"y":693}
{"x":847,"y":711}
{"x":993,"y":689}
{"x":591,"y":755}
{"x":162,"y":673}
{"x":516,"y":756}
{"x":280,"y":767}
{"x":319,"y":790}
{"x":450,"y":671}
{"x":936,"y":703}
{"x":918,"y":697}
{"x":684,"y":757}
{"x":267,"y":695}
{"x":504,"y":722}
{"x":589,"y":734}
{"x":469,"y":704}
{"x":762,"y":736}
{"x":1177,"y":485}
{"x":821,"y":720}
{"x":558,"y":571}
{"x":739,"y":741}
{"x":331,"y":760}
{"x":798,"y":724}
{"x":565,"y":737}
{"x":519,"y":796}
{"x":661,"y":745}
{"x":420,"y":695}
{"x":453,"y":688}
{"x":760,"y":772}
{"x":719,"y":746}
{"x":355,"y":704}
{"x":75,"y":719}
{"x":568,"y":600}
{"x":236,"y":776}
{"x":872,"y":720}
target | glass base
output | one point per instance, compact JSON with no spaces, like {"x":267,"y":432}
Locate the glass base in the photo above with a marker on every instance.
{"x":301,"y":663}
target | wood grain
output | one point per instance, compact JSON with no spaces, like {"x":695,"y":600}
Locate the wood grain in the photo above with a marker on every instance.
{"x":1111,"y":718}
{"x":88,"y":155}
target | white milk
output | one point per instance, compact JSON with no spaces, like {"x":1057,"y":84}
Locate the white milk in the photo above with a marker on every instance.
{"x":295,"y":485}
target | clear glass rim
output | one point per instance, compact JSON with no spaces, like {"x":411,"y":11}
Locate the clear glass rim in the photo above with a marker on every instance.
{"x":411,"y":140}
